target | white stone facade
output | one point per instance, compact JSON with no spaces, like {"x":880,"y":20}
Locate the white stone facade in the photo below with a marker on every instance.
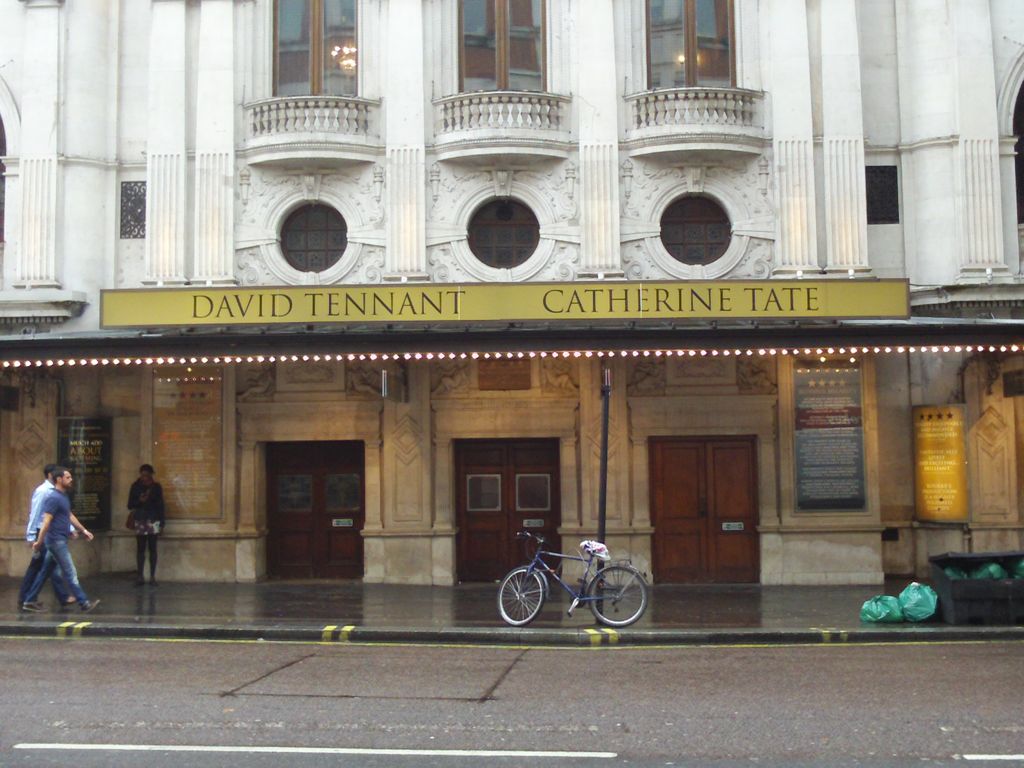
{"x":179,"y":94}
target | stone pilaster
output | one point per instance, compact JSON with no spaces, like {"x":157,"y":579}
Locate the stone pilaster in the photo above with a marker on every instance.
{"x":166,"y":169}
{"x":38,"y":167}
{"x":404,"y":87}
{"x":950,"y":142}
{"x":792,"y":132}
{"x":843,"y":128}
{"x":598,"y":108}
{"x":215,"y":145}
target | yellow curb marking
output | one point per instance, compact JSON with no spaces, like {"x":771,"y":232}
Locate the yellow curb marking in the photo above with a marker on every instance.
{"x":613,"y":636}
{"x":596,"y":638}
{"x":327,"y":635}
{"x":74,"y":627}
{"x":833,"y":635}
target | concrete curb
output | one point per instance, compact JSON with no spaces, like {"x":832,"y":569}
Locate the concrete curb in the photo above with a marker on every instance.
{"x":583,"y":637}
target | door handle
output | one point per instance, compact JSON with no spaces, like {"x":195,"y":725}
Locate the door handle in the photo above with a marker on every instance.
{"x":702,"y":508}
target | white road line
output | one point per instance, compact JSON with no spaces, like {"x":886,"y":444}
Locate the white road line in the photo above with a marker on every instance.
{"x":313,"y":750}
{"x":994,"y":757}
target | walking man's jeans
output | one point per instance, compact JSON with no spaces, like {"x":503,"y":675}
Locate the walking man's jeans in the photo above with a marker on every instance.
{"x":58,"y":555}
{"x":32,"y":573}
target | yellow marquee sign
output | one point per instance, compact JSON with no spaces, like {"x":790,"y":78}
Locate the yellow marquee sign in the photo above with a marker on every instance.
{"x":484,"y":302}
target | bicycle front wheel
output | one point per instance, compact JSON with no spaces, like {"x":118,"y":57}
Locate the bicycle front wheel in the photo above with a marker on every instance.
{"x":622,"y":595}
{"x":521,"y":596}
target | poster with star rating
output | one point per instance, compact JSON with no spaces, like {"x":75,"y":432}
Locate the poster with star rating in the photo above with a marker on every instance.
{"x":829,"y":436}
{"x":940,"y":463}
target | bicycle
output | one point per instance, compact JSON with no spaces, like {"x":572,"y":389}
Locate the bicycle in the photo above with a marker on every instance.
{"x":616,"y":593}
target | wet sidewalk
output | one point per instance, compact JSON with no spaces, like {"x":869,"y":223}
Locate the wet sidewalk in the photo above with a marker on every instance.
{"x":356,"y":612}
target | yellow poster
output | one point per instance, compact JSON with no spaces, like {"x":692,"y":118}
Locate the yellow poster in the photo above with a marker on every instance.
{"x":493,"y":302}
{"x":940,"y":463}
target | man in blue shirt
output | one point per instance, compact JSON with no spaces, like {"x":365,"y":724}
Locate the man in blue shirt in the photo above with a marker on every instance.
{"x":53,"y":533}
{"x":35,"y":515}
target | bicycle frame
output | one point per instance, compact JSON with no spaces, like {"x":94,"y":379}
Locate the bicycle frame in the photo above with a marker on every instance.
{"x":539,"y":565}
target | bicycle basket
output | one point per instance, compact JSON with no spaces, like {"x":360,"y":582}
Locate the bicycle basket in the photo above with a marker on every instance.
{"x":594,"y":549}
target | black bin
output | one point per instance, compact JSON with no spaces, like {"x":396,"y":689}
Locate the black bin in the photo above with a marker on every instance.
{"x":978,"y":601}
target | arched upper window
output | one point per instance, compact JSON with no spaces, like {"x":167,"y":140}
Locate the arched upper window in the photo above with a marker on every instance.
{"x":315,"y":48}
{"x":1018,"y":130}
{"x":3,"y":153}
{"x":695,"y":230}
{"x":313,"y":238}
{"x":502,"y":45}
{"x":503,"y":234}
{"x":690,"y":43}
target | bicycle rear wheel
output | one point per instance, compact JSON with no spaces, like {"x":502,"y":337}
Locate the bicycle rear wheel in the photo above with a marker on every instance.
{"x":521,"y":596}
{"x":623,"y":595}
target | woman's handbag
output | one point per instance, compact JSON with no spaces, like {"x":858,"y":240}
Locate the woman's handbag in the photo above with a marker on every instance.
{"x":130,"y":522}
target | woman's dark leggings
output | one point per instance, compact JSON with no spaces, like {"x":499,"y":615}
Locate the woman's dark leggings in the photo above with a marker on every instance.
{"x":141,"y":542}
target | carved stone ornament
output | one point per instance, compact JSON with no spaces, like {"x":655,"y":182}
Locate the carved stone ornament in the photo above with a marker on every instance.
{"x":756,"y":376}
{"x":258,"y":384}
{"x":449,"y":377}
{"x":559,"y":376}
{"x":362,"y":380}
{"x":646,"y":377}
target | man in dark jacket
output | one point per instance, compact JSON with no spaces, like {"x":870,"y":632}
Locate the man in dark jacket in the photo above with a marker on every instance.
{"x":146,"y":503}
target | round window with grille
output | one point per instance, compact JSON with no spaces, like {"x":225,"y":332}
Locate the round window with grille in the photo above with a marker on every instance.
{"x":313,"y":238}
{"x":503,"y":234}
{"x":695,"y":230}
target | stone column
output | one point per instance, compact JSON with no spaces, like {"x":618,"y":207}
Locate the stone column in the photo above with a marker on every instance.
{"x":404,"y":89}
{"x":215,"y":145}
{"x":38,"y":166}
{"x":792,"y":131}
{"x":166,"y":169}
{"x":846,"y":227}
{"x":597,"y":102}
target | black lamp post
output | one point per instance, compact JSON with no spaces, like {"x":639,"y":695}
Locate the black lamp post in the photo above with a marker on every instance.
{"x":602,"y":498}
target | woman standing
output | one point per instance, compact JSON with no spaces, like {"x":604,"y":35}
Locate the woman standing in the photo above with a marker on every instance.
{"x":146,"y":516}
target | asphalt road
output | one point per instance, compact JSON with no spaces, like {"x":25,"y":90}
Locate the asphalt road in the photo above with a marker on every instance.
{"x":129,"y":703}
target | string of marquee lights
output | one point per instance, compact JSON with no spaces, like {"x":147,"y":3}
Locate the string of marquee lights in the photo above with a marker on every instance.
{"x":91,"y":362}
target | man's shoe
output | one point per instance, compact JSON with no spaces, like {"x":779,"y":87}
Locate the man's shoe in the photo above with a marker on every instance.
{"x":35,"y":607}
{"x":139,"y":581}
{"x":152,"y":582}
{"x":89,"y":605}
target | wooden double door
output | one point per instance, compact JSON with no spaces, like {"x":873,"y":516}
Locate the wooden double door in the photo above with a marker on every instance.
{"x":315,"y":509}
{"x":704,"y":510}
{"x":503,"y":486}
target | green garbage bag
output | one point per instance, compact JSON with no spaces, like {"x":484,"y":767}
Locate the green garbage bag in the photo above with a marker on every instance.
{"x":881,"y":608}
{"x":954,"y":572}
{"x":918,"y":602}
{"x":989,"y":571}
{"x":1017,"y":568}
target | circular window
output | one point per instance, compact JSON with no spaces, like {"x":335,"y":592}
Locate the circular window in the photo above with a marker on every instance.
{"x":503,"y":234}
{"x":695,"y":230}
{"x":313,"y":238}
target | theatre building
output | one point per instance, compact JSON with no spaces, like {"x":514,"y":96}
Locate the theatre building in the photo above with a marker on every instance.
{"x":359,"y":278}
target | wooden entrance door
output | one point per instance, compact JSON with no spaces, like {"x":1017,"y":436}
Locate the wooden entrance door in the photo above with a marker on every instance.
{"x":503,"y":486}
{"x":704,"y":510}
{"x":315,"y":510}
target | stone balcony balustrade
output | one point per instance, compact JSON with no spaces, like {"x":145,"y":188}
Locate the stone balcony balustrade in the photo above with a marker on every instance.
{"x":678,"y":122}
{"x":296,"y":131}
{"x":488,"y":126}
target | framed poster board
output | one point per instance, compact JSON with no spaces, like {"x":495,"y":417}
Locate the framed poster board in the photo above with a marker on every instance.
{"x":84,"y":447}
{"x":940,"y":463}
{"x":188,"y":439}
{"x":829,"y":436}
